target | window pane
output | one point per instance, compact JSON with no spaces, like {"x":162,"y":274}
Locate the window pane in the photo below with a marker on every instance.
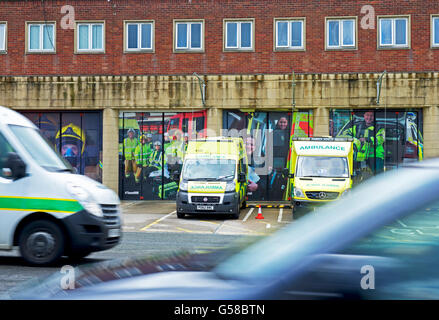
{"x":333,"y":33}
{"x":348,"y":33}
{"x":436,"y":30}
{"x":34,"y":37}
{"x":282,"y":34}
{"x":401,"y":31}
{"x":146,"y":36}
{"x":386,"y":31}
{"x":196,"y":35}
{"x":48,"y":42}
{"x":232,"y":35}
{"x":182,"y":35}
{"x":246,"y":35}
{"x":132,"y":36}
{"x":83,"y":37}
{"x":2,"y":36}
{"x":296,"y":34}
{"x":96,"y":37}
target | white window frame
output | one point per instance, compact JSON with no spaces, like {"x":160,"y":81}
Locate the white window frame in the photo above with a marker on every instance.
{"x":5,"y":37}
{"x":433,"y":17}
{"x":188,"y":48}
{"x":341,"y":46}
{"x":393,"y":45}
{"x":139,"y":35}
{"x":289,"y":47}
{"x":90,"y":39}
{"x":41,"y":38}
{"x":238,"y":35}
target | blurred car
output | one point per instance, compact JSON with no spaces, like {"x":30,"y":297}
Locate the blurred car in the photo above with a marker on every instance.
{"x":380,"y":242}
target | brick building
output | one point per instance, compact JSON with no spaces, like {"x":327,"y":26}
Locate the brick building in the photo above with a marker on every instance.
{"x":98,"y":68}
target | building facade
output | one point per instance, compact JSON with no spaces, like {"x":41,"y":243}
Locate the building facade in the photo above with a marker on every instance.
{"x":118,"y":86}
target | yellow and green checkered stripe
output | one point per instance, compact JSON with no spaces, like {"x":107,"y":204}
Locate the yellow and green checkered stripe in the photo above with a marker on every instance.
{"x":39,"y":204}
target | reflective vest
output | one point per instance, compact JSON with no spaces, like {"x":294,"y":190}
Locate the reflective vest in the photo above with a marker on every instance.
{"x":156,"y":159}
{"x":142,"y":154}
{"x":373,"y":147}
{"x":129,"y":146}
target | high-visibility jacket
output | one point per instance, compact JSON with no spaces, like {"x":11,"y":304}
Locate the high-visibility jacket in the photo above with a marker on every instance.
{"x":129,"y":146}
{"x":373,"y":147}
{"x":155,"y":159}
{"x":175,"y":149}
{"x":142,"y":154}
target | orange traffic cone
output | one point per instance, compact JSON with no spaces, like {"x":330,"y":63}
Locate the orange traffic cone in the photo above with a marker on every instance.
{"x":259,"y":216}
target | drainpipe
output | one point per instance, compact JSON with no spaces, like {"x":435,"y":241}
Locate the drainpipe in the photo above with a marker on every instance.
{"x":202,"y":85}
{"x":379,"y":83}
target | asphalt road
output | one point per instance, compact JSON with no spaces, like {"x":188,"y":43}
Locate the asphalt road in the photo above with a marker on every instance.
{"x":14,"y":273}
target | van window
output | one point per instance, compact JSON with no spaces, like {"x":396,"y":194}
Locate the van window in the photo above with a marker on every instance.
{"x":39,"y":149}
{"x":5,"y":148}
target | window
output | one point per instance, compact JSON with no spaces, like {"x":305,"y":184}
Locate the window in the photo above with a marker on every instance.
{"x":435,"y":31}
{"x":393,"y":32}
{"x":289,"y":34}
{"x":139,"y":36}
{"x":5,"y":148}
{"x":3,"y":40}
{"x":90,"y":37}
{"x":341,"y":33}
{"x":188,"y":35}
{"x":238,"y":35}
{"x":40,"y":37}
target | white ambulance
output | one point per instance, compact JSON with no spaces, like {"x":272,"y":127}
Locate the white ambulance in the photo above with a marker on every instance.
{"x":45,"y":209}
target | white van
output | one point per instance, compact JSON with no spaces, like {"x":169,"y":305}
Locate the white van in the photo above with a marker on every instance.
{"x":45,"y":209}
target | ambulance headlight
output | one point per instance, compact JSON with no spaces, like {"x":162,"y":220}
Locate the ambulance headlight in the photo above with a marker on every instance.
{"x":183,"y":186}
{"x":231,"y":186}
{"x":298,"y":193}
{"x":85,"y":199}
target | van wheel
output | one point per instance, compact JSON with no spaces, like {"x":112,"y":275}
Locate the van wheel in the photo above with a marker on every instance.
{"x":41,"y":242}
{"x":180,"y":215}
{"x":235,"y":214}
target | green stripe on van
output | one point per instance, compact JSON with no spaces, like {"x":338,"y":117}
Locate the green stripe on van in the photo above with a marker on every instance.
{"x":39,"y":204}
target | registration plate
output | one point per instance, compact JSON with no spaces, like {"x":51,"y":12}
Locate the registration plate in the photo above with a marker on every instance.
{"x":113,"y":233}
{"x":204,"y":207}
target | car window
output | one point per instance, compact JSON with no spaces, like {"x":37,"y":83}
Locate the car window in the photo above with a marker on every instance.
{"x":5,"y":148}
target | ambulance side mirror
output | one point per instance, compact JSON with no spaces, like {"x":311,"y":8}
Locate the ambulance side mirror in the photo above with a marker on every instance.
{"x":242,"y":177}
{"x":16,"y":165}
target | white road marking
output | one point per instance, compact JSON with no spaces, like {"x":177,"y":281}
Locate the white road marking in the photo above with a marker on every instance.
{"x":157,"y":221}
{"x":248,"y":214}
{"x":279,"y":218}
{"x":268,"y":226}
{"x":400,"y":222}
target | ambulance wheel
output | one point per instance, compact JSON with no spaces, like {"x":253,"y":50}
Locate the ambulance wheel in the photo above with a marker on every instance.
{"x":180,"y":215}
{"x":235,"y":214}
{"x":41,"y":242}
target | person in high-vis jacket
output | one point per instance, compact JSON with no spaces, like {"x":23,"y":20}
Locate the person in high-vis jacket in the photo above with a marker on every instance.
{"x":129,"y":147}
{"x":141,"y":154}
{"x":368,"y":142}
{"x":156,"y":156}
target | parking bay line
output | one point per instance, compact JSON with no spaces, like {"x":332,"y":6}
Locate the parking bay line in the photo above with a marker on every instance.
{"x":279,"y":218}
{"x":248,"y":214}
{"x":157,"y":221}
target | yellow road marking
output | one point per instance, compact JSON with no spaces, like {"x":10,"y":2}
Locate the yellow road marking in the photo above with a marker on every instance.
{"x":157,"y":221}
{"x":185,"y":230}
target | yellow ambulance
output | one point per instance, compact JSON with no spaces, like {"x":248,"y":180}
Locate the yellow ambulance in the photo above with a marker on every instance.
{"x":321,"y":170}
{"x":213,"y":178}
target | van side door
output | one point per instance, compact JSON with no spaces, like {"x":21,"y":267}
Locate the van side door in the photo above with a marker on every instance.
{"x":9,"y":216}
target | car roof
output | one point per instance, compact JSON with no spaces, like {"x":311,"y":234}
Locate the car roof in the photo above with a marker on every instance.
{"x":9,"y":116}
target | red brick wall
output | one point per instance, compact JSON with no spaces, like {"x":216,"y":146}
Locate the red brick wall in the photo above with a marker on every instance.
{"x":214,"y":61}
